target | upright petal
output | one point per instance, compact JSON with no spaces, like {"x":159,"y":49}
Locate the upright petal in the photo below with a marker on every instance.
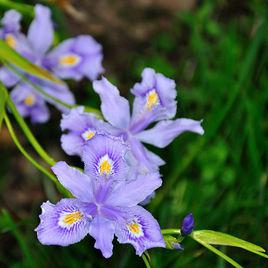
{"x":8,"y":78}
{"x":154,"y":98}
{"x":140,"y":229}
{"x":41,"y":31}
{"x":79,"y":184}
{"x":115,"y":108}
{"x":11,"y":21}
{"x":102,"y":230}
{"x":166,"y":131}
{"x":63,"y":224}
{"x":131,"y":193}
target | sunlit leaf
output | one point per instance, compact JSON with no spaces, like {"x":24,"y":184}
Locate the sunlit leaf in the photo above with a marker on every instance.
{"x":23,"y":8}
{"x":10,"y":56}
{"x":218,"y":238}
{"x":3,"y":98}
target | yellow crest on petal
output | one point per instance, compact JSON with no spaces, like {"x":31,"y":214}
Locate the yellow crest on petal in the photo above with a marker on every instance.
{"x":71,"y":218}
{"x":152,"y":99}
{"x":69,"y":60}
{"x":10,"y":40}
{"x":30,"y":100}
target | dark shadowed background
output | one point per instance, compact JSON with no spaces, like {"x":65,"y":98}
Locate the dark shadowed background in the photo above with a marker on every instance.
{"x":217,"y":52}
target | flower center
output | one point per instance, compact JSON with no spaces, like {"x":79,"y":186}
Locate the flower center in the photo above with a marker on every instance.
{"x":71,"y":218}
{"x":152,"y":99}
{"x":69,"y":60}
{"x":30,"y":100}
{"x":105,"y":166}
{"x":88,"y":135}
{"x":10,"y":40}
{"x":135,"y":229}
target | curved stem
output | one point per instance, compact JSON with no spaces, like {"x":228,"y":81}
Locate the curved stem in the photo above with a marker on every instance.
{"x":43,"y":154}
{"x":18,"y":144}
{"x":147,"y":264}
{"x":171,"y":231}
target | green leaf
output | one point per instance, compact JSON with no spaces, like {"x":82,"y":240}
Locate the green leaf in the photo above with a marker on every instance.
{"x":10,"y":56}
{"x":218,"y":238}
{"x":3,"y":98}
{"x":25,"y":9}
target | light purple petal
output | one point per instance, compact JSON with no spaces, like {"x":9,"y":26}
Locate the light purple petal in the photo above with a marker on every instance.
{"x":86,"y":45}
{"x":8,"y":78}
{"x":37,"y":111}
{"x":11,"y":21}
{"x":72,"y":144}
{"x":131,"y":193}
{"x":91,"y":67}
{"x":154,"y":158}
{"x":56,"y":229}
{"x":79,"y":184}
{"x":41,"y":31}
{"x":102,"y":230}
{"x":140,"y":229}
{"x":114,"y":152}
{"x":162,"y":106}
{"x":166,"y":131}
{"x":115,"y":108}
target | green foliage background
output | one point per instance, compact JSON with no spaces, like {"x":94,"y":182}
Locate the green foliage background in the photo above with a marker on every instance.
{"x":220,"y":61}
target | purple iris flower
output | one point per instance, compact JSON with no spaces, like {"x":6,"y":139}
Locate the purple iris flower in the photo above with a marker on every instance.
{"x":154,"y":101}
{"x":76,"y":58}
{"x":105,"y":203}
{"x":187,"y":225}
{"x":82,"y":58}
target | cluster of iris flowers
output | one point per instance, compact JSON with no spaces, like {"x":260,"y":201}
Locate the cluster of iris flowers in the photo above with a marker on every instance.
{"x":120,"y":173}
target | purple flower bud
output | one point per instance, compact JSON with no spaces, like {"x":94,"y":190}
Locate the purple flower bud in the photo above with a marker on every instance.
{"x":177,"y":246}
{"x":187,"y":225}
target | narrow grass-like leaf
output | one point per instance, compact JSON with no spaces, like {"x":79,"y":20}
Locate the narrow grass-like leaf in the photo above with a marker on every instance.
{"x":25,"y":9}
{"x":3,"y":98}
{"x":7,"y":54}
{"x":218,"y":238}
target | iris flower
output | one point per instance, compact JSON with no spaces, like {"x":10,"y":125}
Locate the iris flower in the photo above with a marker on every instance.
{"x":74,"y":58}
{"x":154,"y":102}
{"x":105,"y":201}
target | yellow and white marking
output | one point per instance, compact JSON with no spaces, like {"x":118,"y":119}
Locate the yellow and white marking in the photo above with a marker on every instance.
{"x":152,"y":99}
{"x":68,"y":219}
{"x":69,"y":60}
{"x":30,"y":100}
{"x":135,"y":229}
{"x":105,"y":165}
{"x":88,"y":134}
{"x":10,"y":40}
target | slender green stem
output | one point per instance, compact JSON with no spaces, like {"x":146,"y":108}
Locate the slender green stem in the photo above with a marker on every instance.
{"x":45,"y":94}
{"x":147,"y":264}
{"x":43,"y":154}
{"x":30,"y":159}
{"x":17,"y":143}
{"x":171,"y":231}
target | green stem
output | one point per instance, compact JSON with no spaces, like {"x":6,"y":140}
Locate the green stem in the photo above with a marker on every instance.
{"x":30,"y":159}
{"x":171,"y":231}
{"x":17,"y":143}
{"x":42,"y":153}
{"x":45,"y":94}
{"x":147,"y":264}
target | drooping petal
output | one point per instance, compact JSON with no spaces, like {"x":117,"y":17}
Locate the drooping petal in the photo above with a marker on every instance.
{"x":72,"y":144}
{"x":41,"y":31}
{"x":166,"y":131}
{"x":78,"y":183}
{"x":108,"y":158}
{"x":63,"y":224}
{"x":154,"y":158}
{"x":115,"y":108}
{"x":102,"y":230}
{"x":131,"y":193}
{"x":140,"y":229}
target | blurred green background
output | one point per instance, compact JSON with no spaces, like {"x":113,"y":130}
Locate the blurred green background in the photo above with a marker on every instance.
{"x":217,"y":52}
